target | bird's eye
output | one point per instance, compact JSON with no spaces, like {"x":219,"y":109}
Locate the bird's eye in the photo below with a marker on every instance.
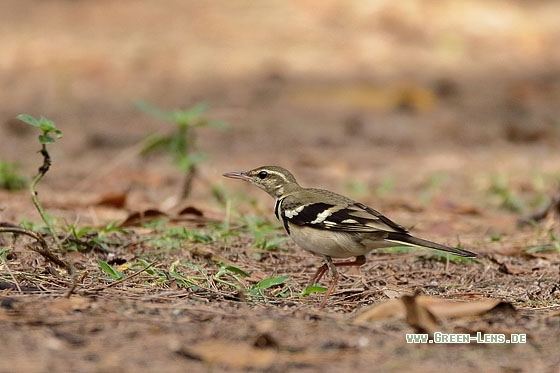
{"x":263,"y":174}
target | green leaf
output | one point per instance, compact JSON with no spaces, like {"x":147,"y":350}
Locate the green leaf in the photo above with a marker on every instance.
{"x":46,"y":139}
{"x":313,"y":289}
{"x":269,"y":282}
{"x":26,"y":118}
{"x":145,"y":264}
{"x":190,"y":117}
{"x":46,"y":125}
{"x":236,"y":270}
{"x":105,"y":267}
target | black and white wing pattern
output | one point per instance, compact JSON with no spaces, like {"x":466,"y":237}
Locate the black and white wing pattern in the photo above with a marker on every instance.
{"x":340,"y":214}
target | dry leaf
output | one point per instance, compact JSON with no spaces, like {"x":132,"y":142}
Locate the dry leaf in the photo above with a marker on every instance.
{"x":139,"y":217}
{"x":446,"y":308}
{"x":440,"y":308}
{"x":418,"y":316}
{"x":117,"y":200}
{"x":391,"y":309}
{"x":191,"y":210}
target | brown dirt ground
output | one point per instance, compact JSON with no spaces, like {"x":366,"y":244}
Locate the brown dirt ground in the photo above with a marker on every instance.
{"x":444,"y":116}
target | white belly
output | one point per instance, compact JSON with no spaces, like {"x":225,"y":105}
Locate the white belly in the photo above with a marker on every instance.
{"x":330,"y":243}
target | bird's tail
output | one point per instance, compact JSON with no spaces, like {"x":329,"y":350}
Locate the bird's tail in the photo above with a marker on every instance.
{"x":407,"y":239}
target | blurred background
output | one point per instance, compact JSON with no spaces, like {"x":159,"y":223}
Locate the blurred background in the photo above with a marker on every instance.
{"x":360,"y":96}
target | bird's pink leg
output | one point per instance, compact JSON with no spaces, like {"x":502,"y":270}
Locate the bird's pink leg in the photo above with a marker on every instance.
{"x":360,"y":260}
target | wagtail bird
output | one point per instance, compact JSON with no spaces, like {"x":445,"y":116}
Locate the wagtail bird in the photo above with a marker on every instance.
{"x":331,"y":225}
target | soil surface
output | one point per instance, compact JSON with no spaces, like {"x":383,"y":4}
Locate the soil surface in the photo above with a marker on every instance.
{"x":443,"y":116}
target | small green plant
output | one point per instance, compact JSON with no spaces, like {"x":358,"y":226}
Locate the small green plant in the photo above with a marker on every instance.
{"x":48,"y":136}
{"x":181,"y":144}
{"x":9,"y":178}
{"x":90,"y":238}
{"x":258,"y":289}
{"x":231,"y":271}
{"x":49,"y":133}
{"x":509,"y":200}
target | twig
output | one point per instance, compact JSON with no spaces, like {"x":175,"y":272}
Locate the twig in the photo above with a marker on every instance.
{"x":43,"y":250}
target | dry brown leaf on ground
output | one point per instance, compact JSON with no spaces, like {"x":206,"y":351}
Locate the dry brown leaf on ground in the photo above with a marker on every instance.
{"x":190,"y":210}
{"x":440,"y":308}
{"x":197,"y":215}
{"x":113,"y":199}
{"x":139,"y":217}
{"x":418,"y":316}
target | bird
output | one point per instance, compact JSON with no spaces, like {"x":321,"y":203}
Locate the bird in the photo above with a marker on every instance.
{"x":331,"y":225}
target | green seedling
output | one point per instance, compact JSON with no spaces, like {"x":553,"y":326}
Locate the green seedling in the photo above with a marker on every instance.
{"x":495,"y":238}
{"x":181,"y":144}
{"x":230,"y":271}
{"x":258,"y":290}
{"x":195,"y":282}
{"x":48,"y":136}
{"x":501,"y":189}
{"x":91,"y":238}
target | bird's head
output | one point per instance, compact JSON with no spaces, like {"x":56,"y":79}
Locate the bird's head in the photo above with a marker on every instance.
{"x":274,"y":180}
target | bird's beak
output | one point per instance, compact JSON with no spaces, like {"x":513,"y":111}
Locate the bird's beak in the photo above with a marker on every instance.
{"x":237,"y":175}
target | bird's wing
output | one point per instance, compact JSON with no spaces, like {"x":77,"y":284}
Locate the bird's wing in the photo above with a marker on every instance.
{"x":349,"y":216}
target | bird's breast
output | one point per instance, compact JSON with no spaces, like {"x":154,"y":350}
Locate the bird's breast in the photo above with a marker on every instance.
{"x":330,"y":243}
